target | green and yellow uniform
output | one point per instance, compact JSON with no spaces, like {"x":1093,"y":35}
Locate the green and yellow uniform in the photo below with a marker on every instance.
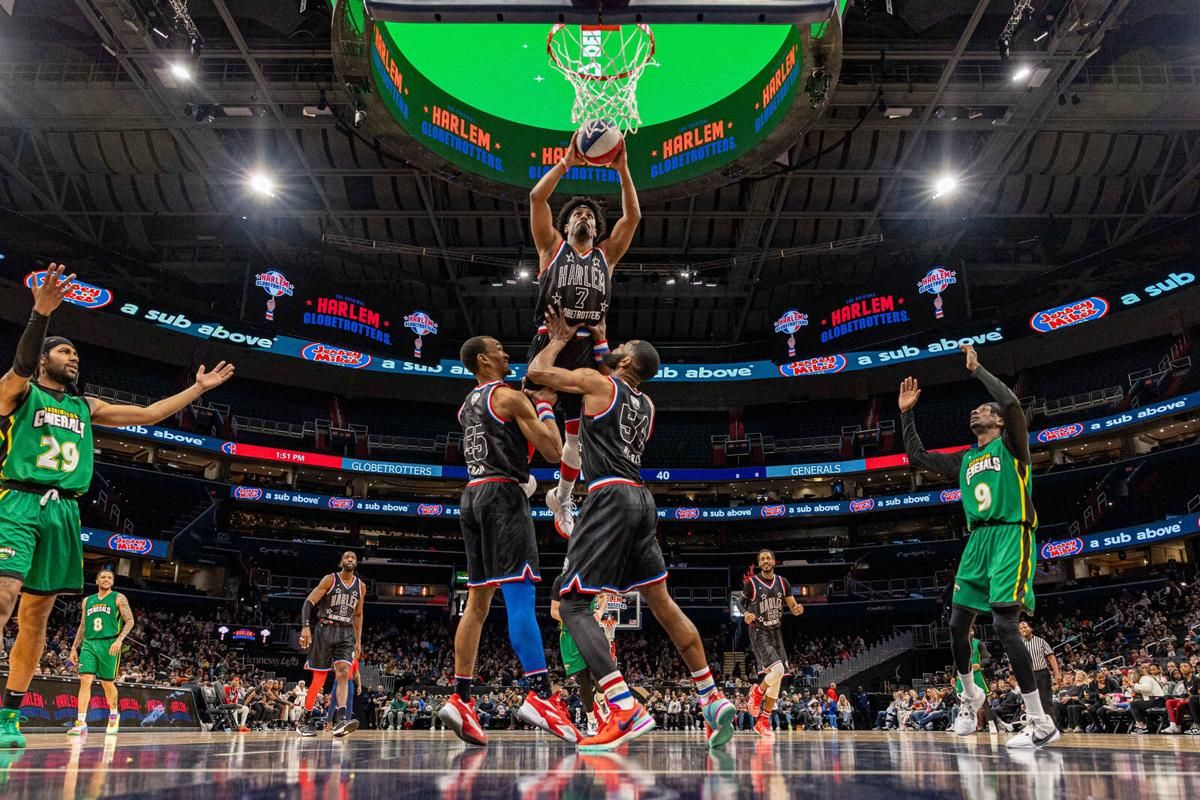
{"x":46,"y":463}
{"x":102,"y":623}
{"x":998,"y":563}
{"x":976,"y":674}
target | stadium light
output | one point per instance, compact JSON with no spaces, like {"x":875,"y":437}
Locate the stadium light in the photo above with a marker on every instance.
{"x":523,"y":274}
{"x":261,"y":183}
{"x":1022,"y":73}
{"x":944,"y":185}
{"x":181,"y":71}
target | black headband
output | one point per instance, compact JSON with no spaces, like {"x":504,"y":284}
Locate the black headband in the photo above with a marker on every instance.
{"x":53,"y":342}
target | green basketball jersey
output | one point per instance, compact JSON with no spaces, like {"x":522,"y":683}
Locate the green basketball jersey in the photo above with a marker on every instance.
{"x":47,"y":440}
{"x":101,"y":617}
{"x":996,"y":488}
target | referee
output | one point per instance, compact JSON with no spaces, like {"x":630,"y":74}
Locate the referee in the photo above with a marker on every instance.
{"x":1044,"y":663}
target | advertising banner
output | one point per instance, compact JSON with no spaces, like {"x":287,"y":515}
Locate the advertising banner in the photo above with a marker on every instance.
{"x":51,"y":702}
{"x":123,"y":544}
{"x":1121,"y":538}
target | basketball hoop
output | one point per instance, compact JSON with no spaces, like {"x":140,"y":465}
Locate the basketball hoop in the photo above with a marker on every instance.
{"x":603,"y":63}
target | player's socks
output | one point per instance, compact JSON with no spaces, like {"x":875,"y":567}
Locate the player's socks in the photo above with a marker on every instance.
{"x":539,"y":681}
{"x":462,"y":687}
{"x":1033,"y":704}
{"x":768,"y":706}
{"x":13,"y":699}
{"x":314,"y":689}
{"x":970,"y":689}
{"x":705,"y":685}
{"x":568,"y":469}
{"x":616,"y":690}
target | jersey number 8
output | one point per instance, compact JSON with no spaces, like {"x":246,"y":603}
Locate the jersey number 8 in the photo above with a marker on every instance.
{"x":50,"y":459}
{"x":97,"y":624}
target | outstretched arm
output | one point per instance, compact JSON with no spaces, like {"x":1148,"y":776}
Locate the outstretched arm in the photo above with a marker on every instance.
{"x":539,"y":427}
{"x":576,"y":381}
{"x":631,"y":214}
{"x":46,"y":298}
{"x":946,"y":465}
{"x":1016,"y":426}
{"x":541,"y":219}
{"x":114,"y":416}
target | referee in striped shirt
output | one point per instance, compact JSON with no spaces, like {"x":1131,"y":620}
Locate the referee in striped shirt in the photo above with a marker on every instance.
{"x":1044,"y":663}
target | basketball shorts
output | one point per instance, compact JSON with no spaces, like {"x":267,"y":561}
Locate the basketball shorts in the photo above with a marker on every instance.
{"x":576,"y":355}
{"x":996,"y":570}
{"x":614,"y":546}
{"x":331,"y":643}
{"x":497,"y":529}
{"x":95,"y":660}
{"x":768,"y":647}
{"x":40,"y":544}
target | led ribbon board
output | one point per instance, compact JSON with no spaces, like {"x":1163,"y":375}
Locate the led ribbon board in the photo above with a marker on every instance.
{"x":481,"y":101}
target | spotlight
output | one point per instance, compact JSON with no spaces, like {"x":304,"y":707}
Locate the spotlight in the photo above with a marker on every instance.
{"x":181,"y":71}
{"x":523,"y":274}
{"x":939,"y":112}
{"x":1022,"y":73}
{"x":1002,"y":49}
{"x":360,"y":116}
{"x":670,"y":281}
{"x":261,"y":183}
{"x":944,"y":185}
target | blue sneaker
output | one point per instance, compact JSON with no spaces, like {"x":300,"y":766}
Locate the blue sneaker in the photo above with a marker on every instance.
{"x":718,"y":721}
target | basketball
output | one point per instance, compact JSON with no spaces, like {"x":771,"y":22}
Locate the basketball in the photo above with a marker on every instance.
{"x":599,"y":141}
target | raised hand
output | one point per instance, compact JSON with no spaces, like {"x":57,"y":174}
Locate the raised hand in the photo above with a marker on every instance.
{"x":214,"y":377}
{"x":910,"y":392}
{"x":49,"y":296}
{"x":573,"y":158}
{"x":557,"y":327}
{"x":972,"y":357}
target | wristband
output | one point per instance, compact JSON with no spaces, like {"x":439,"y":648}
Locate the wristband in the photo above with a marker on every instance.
{"x":544,"y":411}
{"x":600,"y":350}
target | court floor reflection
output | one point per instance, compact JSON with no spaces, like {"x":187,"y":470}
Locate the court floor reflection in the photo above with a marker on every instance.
{"x":388,"y":766}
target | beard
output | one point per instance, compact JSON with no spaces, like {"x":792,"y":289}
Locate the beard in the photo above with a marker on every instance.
{"x":58,"y":374}
{"x":347,"y":567}
{"x":612,"y":360}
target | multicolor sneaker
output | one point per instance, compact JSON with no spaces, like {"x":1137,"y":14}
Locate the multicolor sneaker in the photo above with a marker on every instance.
{"x":78,"y":729}
{"x":564,"y":513}
{"x":114,"y":725}
{"x":544,"y":714}
{"x":461,"y":718}
{"x":719,"y":714}
{"x":10,"y":728}
{"x":763,"y":727}
{"x":623,"y":725}
{"x":755,"y":702}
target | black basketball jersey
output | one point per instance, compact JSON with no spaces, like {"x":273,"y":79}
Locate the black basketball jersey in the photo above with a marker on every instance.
{"x":765,"y":600}
{"x":612,"y":442}
{"x":494,"y":447}
{"x":576,"y":282}
{"x":338,"y":604}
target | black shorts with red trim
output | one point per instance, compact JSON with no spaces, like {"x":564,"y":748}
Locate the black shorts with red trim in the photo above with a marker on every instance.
{"x":614,"y":547}
{"x":331,"y":643}
{"x":768,"y":647}
{"x":576,"y":355}
{"x":497,"y":529}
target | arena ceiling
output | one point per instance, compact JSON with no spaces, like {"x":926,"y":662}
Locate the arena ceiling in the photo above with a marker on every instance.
{"x":102,"y":164}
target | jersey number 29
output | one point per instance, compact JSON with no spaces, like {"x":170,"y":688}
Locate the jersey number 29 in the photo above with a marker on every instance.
{"x":60,"y":458}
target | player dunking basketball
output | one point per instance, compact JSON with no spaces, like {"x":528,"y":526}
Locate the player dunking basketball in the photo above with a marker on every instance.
{"x":996,"y":569}
{"x":498,"y":425}
{"x":763,"y":598}
{"x":575,"y":274}
{"x":614,"y":546}
{"x":337,"y":603}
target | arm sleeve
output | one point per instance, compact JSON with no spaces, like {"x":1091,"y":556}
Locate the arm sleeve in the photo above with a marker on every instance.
{"x":1016,"y":427}
{"x":29,"y":346}
{"x":945,"y":464}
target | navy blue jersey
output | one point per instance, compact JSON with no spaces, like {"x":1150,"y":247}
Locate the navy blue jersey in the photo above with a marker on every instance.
{"x":576,"y":282}
{"x":612,"y":442}
{"x":494,"y":447}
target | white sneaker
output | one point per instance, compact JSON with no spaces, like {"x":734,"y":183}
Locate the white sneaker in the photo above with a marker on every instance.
{"x":114,"y":725}
{"x":564,"y":513}
{"x":1038,"y":732}
{"x":968,"y":713}
{"x":1172,"y":728}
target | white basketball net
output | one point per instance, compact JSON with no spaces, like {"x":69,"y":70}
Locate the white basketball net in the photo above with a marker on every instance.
{"x":603,"y":63}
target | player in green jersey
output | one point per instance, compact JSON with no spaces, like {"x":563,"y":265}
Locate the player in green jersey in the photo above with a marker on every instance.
{"x":105,"y":621}
{"x":996,"y":569}
{"x":45,"y":464}
{"x":573,"y":663}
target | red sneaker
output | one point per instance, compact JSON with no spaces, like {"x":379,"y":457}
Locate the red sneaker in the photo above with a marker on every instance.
{"x":754,"y":704}
{"x":544,"y":714}
{"x":763,"y":727}
{"x":623,"y":725}
{"x":560,"y":704}
{"x":601,"y":711}
{"x":460,"y":717}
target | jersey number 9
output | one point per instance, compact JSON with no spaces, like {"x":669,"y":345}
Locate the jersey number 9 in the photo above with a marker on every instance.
{"x":983,"y":496}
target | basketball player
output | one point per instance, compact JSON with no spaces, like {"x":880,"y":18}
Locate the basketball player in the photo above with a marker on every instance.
{"x":762,"y":601}
{"x":106,"y":620}
{"x":614,"y":548}
{"x":47,"y":464}
{"x":572,"y":659}
{"x":575,"y":274}
{"x":338,"y":604}
{"x":499,"y":424}
{"x":996,"y":569}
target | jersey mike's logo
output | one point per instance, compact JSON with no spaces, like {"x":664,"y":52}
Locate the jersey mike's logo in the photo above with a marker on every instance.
{"x":229,"y":448}
{"x":687,"y":513}
{"x":1062,"y":549}
{"x":951,"y":495}
{"x":130,"y":544}
{"x":1078,"y":312}
{"x":430,"y":509}
{"x":341,"y":503}
{"x":777,"y":510}
{"x":862,"y":505}
{"x":81,"y":294}
{"x":820,"y":365}
{"x":338,"y":356}
{"x":1059,"y":433}
{"x":246,"y":493}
